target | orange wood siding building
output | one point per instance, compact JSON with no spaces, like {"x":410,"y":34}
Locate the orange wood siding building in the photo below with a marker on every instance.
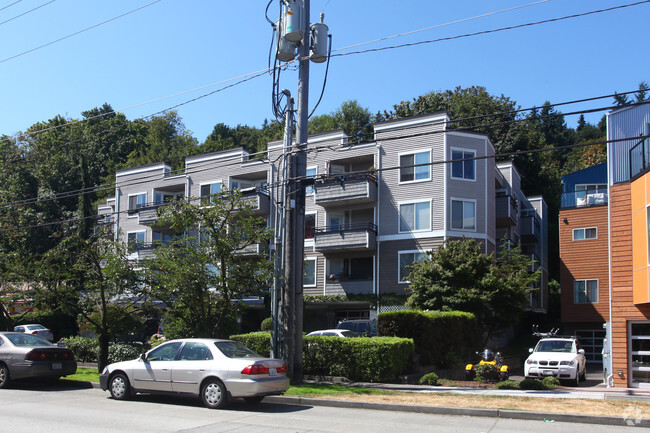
{"x":584,"y":259}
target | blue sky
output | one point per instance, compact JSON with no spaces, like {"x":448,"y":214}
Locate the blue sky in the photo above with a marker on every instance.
{"x":174,"y":46}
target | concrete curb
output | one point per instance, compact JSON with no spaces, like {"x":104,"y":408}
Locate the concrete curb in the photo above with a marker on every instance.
{"x":457,"y":411}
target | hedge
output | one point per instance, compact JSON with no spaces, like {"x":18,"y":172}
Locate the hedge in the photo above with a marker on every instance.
{"x":376,"y":359}
{"x":87,"y":350}
{"x":442,"y":338}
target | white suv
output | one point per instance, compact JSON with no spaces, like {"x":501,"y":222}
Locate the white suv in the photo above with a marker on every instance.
{"x":560,"y":357}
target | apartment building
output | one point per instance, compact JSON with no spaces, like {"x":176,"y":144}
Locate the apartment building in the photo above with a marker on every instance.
{"x":374,"y":208}
{"x":628,"y":159}
{"x":584,"y":258}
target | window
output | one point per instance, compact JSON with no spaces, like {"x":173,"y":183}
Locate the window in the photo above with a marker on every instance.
{"x":137,"y":201}
{"x":310,"y":225}
{"x":590,"y":194}
{"x":406,"y":259}
{"x":311,"y":173}
{"x":585,"y":291}
{"x":166,"y":352}
{"x":135,"y":241}
{"x":162,"y":238}
{"x":309,"y":272}
{"x":415,"y":216}
{"x":463,"y":169}
{"x":585,"y":233}
{"x":208,"y":189}
{"x":409,"y":173}
{"x":195,"y":352}
{"x":463,"y":215}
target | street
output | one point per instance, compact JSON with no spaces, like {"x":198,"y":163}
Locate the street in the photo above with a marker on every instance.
{"x":61,"y":408}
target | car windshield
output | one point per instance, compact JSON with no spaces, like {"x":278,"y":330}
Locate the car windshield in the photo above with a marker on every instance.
{"x":27,"y":340}
{"x":234,"y":349}
{"x":557,"y":346}
{"x":35,"y":327}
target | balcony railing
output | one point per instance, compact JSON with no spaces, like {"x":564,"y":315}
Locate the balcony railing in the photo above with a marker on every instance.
{"x":257,"y":199}
{"x":640,"y":158}
{"x":507,"y":211}
{"x":530,"y":228}
{"x":346,"y":237}
{"x":343,"y":189}
{"x":584,"y":199}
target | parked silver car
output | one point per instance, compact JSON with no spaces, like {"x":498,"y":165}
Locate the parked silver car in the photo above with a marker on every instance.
{"x":35,"y":329}
{"x":29,"y":356}
{"x":333,"y":333}
{"x":213,"y":369}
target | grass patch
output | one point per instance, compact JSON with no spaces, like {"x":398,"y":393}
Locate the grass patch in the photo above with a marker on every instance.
{"x":317,"y":389}
{"x":85,"y":375}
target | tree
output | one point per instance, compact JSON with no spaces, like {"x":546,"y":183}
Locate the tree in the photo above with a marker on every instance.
{"x":459,"y":276}
{"x":94,"y":279}
{"x":355,"y":120}
{"x":204,"y":275}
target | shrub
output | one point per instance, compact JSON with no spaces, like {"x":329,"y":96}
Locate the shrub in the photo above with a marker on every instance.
{"x":155,"y":340}
{"x":123,"y":352}
{"x":532,"y":384}
{"x":441,"y":338}
{"x":508,"y":384}
{"x":486,"y":372}
{"x":429,"y":379}
{"x":84,"y":349}
{"x":266,"y":324}
{"x":551,"y":382}
{"x":259,"y":342}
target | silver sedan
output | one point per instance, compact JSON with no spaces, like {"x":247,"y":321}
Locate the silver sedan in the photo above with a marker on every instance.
{"x":28,"y":356}
{"x":215,"y":370}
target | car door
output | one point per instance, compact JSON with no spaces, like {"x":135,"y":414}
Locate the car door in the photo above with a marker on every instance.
{"x":191,"y":366}
{"x":154,"y":373}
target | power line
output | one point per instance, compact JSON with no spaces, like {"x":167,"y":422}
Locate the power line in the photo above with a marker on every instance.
{"x":24,"y":13}
{"x":79,"y":32}
{"x":484,"y":32}
{"x":10,"y":4}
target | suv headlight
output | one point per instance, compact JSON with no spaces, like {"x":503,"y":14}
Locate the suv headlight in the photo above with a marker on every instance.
{"x":567,"y":362}
{"x":531,"y":361}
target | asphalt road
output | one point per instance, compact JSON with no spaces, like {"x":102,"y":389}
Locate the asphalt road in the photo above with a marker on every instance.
{"x":59,"y":408}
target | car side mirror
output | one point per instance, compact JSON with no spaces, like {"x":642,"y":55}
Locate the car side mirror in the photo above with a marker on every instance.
{"x":581,"y":351}
{"x":143,"y":357}
{"x":530,"y":350}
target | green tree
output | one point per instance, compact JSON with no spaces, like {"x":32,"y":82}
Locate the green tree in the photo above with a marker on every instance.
{"x":204,"y":275}
{"x":459,"y":276}
{"x":355,"y":120}
{"x":93,"y":279}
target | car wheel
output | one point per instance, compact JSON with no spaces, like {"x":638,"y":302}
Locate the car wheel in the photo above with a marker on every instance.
{"x":213,"y":394}
{"x":253,"y":400}
{"x":4,"y":376}
{"x":575,"y":382}
{"x":119,"y":387}
{"x":583,"y":376}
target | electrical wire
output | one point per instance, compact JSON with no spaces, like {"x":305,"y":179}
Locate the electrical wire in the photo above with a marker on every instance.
{"x":10,"y":4}
{"x":24,"y":13}
{"x":79,"y":32}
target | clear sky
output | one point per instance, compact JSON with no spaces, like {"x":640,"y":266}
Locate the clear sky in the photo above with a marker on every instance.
{"x":174,"y":46}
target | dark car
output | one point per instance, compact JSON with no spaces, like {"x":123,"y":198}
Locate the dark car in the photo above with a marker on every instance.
{"x":363,"y":327}
{"x":24,"y":356}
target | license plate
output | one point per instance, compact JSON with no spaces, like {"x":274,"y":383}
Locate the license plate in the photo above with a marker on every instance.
{"x":548,"y":373}
{"x":57,"y":366}
{"x":273,"y":371}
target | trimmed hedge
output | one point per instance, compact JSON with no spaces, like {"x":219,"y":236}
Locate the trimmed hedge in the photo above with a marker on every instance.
{"x":87,"y":350}
{"x":376,"y":359}
{"x":442,"y":338}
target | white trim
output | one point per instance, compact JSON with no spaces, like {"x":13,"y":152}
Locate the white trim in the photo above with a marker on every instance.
{"x":213,"y":157}
{"x":104,"y":207}
{"x":143,"y":170}
{"x":414,"y":152}
{"x":338,"y":135}
{"x":451,"y":218}
{"x":313,"y":189}
{"x":451,"y":158}
{"x":399,"y":254}
{"x":410,"y":122}
{"x":399,"y":215}
{"x":479,"y":136}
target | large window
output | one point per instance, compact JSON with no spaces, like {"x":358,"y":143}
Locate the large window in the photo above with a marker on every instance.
{"x":409,"y":173}
{"x":585,"y":291}
{"x":585,"y":233}
{"x":208,"y":189}
{"x":311,"y":173}
{"x":415,"y":216}
{"x":462,"y":166}
{"x":463,"y":215}
{"x":135,"y":241}
{"x":591,"y":194}
{"x":309,"y":272}
{"x":406,"y":259}
{"x":310,"y":225}
{"x":137,"y":201}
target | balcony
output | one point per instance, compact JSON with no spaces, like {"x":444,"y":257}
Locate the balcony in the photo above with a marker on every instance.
{"x":640,"y":159}
{"x":346,"y":189}
{"x":346,"y":237}
{"x":147,"y":213}
{"x":142,"y":251}
{"x":257,"y":199}
{"x":346,"y":287}
{"x":507,"y":211}
{"x":584,"y":199}
{"x":254,"y":250}
{"x":530,"y":228}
